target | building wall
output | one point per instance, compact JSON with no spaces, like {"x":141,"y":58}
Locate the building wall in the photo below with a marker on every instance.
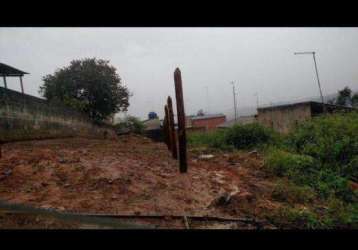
{"x":188,"y":123}
{"x":283,"y":119}
{"x":209,"y":123}
{"x":24,"y":117}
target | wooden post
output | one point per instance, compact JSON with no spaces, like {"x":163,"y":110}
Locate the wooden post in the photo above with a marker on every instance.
{"x":5,"y":84}
{"x":181,"y":121}
{"x":165,"y":121}
{"x":22,"y":86}
{"x":167,"y":127}
{"x":172,"y":128}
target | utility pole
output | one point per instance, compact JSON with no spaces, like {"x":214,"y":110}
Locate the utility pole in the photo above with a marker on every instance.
{"x":257,"y":100}
{"x":313,"y":53}
{"x":207,"y":99}
{"x":233,"y":92}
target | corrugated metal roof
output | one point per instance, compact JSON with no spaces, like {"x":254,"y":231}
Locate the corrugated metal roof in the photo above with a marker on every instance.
{"x":240,"y":120}
{"x":301,"y":103}
{"x":201,"y":117}
{"x":6,"y":70}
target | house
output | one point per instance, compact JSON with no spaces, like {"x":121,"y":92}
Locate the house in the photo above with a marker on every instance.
{"x":9,"y":71}
{"x":204,"y":122}
{"x":283,"y":118}
{"x":153,"y":129}
{"x":241,"y":120}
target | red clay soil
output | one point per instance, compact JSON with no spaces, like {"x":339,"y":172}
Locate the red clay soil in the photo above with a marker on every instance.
{"x":132,"y":175}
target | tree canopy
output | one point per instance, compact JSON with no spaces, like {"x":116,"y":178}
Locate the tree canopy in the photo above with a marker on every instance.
{"x":346,"y":98}
{"x":90,"y":85}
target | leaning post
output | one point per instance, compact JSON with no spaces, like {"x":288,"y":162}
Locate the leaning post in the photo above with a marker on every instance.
{"x":181,"y":121}
{"x":22,"y":85}
{"x":172,"y":128}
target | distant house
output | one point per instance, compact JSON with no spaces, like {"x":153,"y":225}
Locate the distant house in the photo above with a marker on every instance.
{"x":204,"y":122}
{"x":241,"y":120}
{"x":153,"y":129}
{"x":283,"y":118}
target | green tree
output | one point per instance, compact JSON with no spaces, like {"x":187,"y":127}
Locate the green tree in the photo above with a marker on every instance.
{"x":344,"y":97}
{"x":90,"y":85}
{"x":355,"y":100}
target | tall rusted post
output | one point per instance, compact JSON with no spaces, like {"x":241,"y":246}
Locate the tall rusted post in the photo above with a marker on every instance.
{"x":181,"y":121}
{"x":172,"y":128}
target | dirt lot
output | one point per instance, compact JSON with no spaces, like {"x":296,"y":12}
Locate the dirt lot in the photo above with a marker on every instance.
{"x":132,"y":175}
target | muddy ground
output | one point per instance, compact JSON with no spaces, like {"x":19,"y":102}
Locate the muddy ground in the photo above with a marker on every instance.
{"x":132,"y":175}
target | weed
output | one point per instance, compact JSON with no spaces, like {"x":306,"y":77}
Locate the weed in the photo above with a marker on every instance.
{"x":287,"y":191}
{"x":288,"y":217}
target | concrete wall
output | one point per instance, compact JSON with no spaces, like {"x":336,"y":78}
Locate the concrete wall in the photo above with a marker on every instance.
{"x":24,"y":117}
{"x":209,"y":123}
{"x":283,"y":119}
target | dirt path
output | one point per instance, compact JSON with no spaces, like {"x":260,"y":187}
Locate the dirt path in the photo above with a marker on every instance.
{"x":130,"y":176}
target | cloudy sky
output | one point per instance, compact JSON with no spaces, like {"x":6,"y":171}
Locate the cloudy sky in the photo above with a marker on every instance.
{"x":259,"y":60}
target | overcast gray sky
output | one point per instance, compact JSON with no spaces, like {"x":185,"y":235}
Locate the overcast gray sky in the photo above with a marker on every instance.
{"x":257,"y":59}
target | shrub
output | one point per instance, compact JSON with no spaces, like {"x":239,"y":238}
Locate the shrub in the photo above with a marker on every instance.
{"x":130,"y":124}
{"x":248,"y":136}
{"x":288,"y":217}
{"x":331,"y":139}
{"x":214,"y":139}
{"x":340,"y":214}
{"x":282,"y":163}
{"x":239,"y":137}
{"x":305,"y":170}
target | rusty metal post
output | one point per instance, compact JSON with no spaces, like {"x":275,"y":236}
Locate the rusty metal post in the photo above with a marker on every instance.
{"x":181,"y":121}
{"x":172,"y":128}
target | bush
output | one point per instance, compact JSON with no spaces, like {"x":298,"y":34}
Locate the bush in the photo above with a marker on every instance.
{"x":282,"y":163}
{"x":288,"y":217}
{"x":130,"y":125}
{"x":305,"y":170}
{"x":215,"y":139}
{"x":239,"y":137}
{"x":248,"y":136}
{"x":331,"y":139}
{"x":340,"y":214}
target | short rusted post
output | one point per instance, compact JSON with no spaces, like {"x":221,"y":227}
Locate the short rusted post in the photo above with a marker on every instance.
{"x":181,"y":121}
{"x":167,"y":127}
{"x":172,"y":128}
